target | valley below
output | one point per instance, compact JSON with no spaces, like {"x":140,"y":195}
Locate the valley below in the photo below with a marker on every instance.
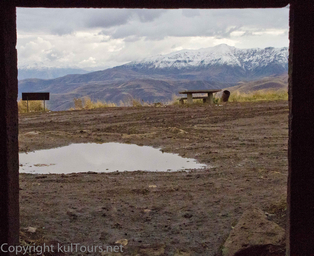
{"x":245,"y":147}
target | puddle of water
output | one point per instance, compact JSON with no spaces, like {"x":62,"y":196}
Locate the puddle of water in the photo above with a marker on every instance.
{"x":107,"y":157}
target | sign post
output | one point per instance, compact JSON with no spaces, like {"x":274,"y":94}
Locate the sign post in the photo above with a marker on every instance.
{"x":36,"y":96}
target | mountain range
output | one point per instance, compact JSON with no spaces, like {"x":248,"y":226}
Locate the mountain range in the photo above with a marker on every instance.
{"x":26,"y":72}
{"x":158,"y":78}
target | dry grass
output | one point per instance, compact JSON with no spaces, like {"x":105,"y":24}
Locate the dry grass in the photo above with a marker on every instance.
{"x":258,"y":96}
{"x":33,"y":106}
{"x":174,"y":101}
{"x":136,"y":103}
{"x":269,"y":95}
{"x":87,"y":103}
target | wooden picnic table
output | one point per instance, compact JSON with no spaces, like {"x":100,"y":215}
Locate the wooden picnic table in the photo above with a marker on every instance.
{"x":206,"y":99}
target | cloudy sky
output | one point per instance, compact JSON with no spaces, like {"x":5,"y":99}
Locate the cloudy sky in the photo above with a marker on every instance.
{"x":99,"y":38}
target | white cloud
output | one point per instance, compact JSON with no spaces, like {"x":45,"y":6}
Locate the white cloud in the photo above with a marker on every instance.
{"x":275,"y":32}
{"x":95,"y":38}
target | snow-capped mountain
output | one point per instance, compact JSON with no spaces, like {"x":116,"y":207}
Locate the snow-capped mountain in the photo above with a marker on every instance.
{"x":245,"y":60}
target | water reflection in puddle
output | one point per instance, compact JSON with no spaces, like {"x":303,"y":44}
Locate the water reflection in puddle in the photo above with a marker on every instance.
{"x":107,"y":157}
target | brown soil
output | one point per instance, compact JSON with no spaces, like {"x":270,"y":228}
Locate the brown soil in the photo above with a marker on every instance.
{"x":185,"y":213}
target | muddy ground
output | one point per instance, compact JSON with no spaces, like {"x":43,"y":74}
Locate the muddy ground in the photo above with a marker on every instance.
{"x":165,"y":213}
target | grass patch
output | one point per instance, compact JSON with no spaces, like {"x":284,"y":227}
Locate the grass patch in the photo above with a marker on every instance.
{"x":268,"y":95}
{"x":136,"y":103}
{"x":87,"y":103}
{"x":33,"y":106}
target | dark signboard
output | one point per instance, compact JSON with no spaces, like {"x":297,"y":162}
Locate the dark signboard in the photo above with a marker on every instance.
{"x":35,"y":95}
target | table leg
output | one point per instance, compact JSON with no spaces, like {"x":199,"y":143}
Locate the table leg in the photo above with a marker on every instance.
{"x":189,"y":98}
{"x":210,"y":98}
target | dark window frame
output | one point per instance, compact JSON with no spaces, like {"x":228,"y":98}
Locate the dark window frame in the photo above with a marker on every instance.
{"x":300,"y":231}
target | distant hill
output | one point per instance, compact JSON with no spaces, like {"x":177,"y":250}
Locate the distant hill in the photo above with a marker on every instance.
{"x":158,"y":78}
{"x":268,"y":83}
{"x":149,"y":90}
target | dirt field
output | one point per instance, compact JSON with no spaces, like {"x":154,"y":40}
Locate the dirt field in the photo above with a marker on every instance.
{"x":178,"y":213}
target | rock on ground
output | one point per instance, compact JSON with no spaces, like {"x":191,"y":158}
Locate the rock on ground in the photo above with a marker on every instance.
{"x":253,"y":232}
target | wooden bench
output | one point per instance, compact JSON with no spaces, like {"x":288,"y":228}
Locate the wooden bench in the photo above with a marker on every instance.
{"x":206,"y":99}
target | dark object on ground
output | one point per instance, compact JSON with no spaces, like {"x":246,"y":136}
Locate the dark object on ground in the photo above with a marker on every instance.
{"x":225,"y":96}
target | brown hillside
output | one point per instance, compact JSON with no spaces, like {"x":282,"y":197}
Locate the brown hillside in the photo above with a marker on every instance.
{"x":268,"y":83}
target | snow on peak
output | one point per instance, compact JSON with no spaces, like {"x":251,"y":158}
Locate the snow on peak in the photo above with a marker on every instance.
{"x":218,"y":55}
